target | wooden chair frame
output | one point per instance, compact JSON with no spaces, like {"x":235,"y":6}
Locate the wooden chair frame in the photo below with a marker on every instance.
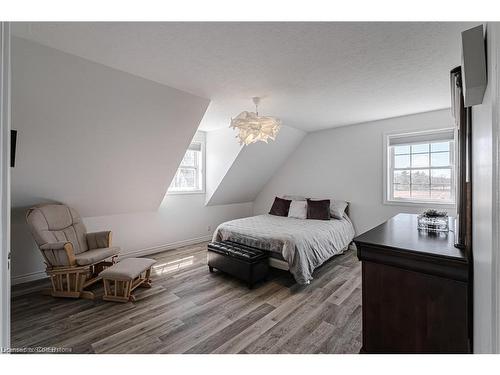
{"x":71,"y":281}
{"x":121,"y":290}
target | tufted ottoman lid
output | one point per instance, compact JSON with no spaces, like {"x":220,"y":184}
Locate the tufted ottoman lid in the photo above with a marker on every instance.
{"x":237,"y":250}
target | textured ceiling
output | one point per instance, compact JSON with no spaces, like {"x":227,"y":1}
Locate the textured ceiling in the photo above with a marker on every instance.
{"x":311,"y":75}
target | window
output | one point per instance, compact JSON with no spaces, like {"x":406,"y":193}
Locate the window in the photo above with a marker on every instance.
{"x":421,"y":167}
{"x":190,"y":174}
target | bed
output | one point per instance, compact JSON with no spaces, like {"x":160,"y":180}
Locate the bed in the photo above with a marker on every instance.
{"x":298,"y":245}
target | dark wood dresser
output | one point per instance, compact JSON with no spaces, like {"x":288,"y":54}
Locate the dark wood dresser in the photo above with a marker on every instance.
{"x":415,"y":290}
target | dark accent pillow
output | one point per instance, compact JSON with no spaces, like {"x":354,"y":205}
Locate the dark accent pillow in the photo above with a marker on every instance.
{"x":318,"y":210}
{"x":280,"y":207}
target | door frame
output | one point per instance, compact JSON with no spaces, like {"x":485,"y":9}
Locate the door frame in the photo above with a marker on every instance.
{"x":494,"y":33}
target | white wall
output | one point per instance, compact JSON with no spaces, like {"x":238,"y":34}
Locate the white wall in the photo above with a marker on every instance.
{"x":254,"y":165}
{"x":107,"y":143}
{"x":101,"y":140}
{"x":485,"y":128}
{"x":347,"y":163}
{"x":221,"y":150}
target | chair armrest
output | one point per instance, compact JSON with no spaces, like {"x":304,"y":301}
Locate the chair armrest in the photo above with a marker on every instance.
{"x":98,"y":240}
{"x":58,"y":254}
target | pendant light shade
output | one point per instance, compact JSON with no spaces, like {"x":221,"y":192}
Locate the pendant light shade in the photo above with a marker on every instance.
{"x":253,"y":128}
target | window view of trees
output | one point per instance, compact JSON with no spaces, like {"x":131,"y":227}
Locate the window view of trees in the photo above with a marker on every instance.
{"x":423,"y":171}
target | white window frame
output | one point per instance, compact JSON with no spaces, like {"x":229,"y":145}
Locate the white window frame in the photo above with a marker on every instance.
{"x":388,"y":197}
{"x":200,"y":137}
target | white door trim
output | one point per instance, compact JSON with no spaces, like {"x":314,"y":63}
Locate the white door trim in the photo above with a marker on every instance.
{"x":5,"y":183}
{"x":494,"y":33}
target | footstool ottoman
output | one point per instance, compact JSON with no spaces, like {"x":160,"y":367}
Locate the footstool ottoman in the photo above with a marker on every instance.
{"x":123,"y":277}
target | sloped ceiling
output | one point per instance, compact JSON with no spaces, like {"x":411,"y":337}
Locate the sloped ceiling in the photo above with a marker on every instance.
{"x":99,"y":139}
{"x":222,"y":150}
{"x":312,"y":75}
{"x":254,"y":166}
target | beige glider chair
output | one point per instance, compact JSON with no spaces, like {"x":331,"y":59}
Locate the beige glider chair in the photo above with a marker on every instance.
{"x":74,"y":258}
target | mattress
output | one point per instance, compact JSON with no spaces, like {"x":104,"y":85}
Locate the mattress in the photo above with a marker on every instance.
{"x":303,"y":244}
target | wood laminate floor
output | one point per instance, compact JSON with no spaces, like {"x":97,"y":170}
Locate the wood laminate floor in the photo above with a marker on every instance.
{"x":189,"y":310}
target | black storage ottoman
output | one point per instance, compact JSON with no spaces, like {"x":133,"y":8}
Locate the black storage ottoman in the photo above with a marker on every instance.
{"x":241,"y":261}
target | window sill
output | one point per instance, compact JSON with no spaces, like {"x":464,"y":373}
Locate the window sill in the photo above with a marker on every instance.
{"x":394,"y":202}
{"x":195,"y":192}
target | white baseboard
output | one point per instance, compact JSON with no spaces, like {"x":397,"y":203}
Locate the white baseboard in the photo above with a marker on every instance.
{"x":27,"y":277}
{"x":161,"y":248}
{"x":33,"y":276}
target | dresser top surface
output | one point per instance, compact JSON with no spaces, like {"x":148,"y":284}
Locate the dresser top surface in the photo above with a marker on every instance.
{"x":400,"y":232}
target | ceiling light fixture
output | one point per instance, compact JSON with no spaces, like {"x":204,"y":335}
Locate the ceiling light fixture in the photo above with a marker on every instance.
{"x":253,"y":128}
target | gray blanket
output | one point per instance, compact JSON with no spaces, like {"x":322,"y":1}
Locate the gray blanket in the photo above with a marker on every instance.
{"x":304,"y":244}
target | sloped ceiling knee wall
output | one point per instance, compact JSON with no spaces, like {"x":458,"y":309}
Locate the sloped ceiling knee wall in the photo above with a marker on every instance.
{"x":222,"y":151}
{"x":253,"y":167}
{"x":98,"y":139}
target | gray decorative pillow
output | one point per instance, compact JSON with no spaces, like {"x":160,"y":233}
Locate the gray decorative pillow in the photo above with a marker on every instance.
{"x":337,"y":208}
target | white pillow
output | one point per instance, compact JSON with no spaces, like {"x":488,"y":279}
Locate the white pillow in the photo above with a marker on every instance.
{"x":298,"y":209}
{"x":337,"y":208}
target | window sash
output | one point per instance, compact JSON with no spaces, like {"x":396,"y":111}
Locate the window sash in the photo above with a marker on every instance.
{"x":197,"y":160}
{"x":197,"y":146}
{"x":197,"y":179}
{"x":420,"y":168}
{"x":429,"y":168}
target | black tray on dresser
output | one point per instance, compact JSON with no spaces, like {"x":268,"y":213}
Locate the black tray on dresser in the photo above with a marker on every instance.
{"x":415,"y":290}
